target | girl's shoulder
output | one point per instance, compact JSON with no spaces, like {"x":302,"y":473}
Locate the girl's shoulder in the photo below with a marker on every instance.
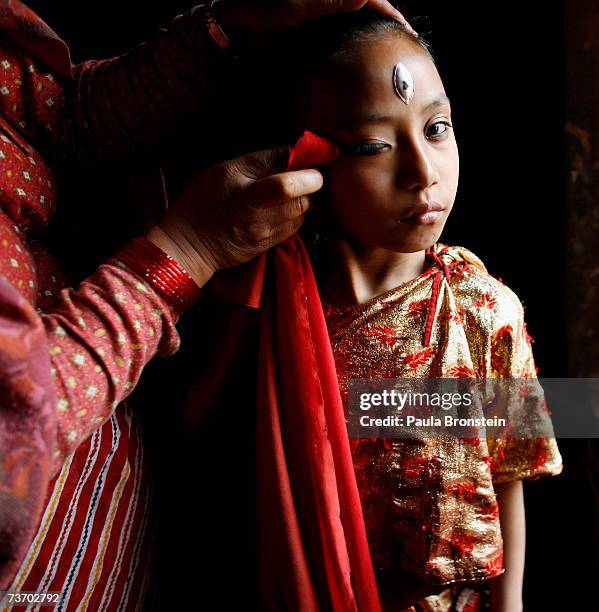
{"x":480,"y":295}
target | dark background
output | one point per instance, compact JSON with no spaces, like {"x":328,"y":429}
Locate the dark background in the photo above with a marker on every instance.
{"x":503,"y":66}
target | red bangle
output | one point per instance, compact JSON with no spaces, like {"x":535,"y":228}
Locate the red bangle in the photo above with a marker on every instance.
{"x":161,"y":271}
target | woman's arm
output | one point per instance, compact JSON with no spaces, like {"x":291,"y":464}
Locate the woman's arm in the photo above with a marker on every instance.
{"x":128,"y":110}
{"x":100,"y":337}
{"x":123,"y":111}
{"x":103,"y":333}
{"x":506,"y":591}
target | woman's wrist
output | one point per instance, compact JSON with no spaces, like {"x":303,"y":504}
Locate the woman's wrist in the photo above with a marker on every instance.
{"x":161,"y":263}
{"x":190,"y":259}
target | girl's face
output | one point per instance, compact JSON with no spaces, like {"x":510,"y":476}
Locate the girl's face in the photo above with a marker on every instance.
{"x":396,"y":158}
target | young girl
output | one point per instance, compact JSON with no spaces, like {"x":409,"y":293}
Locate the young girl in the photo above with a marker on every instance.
{"x":443,"y":517}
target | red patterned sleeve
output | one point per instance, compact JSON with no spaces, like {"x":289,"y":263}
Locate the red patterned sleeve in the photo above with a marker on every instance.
{"x":100,"y":337}
{"x":125,"y":109}
{"x":102,"y":334}
{"x":523,"y":452}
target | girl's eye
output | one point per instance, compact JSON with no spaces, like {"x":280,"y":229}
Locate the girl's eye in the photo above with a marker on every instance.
{"x":438,"y":130}
{"x":364,"y":148}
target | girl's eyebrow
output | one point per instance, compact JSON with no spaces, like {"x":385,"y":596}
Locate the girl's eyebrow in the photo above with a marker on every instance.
{"x":360,"y":119}
{"x":440,"y":100}
{"x":369,"y":118}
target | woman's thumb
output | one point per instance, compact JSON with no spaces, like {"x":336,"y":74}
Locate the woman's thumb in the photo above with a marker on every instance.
{"x":261,"y":164}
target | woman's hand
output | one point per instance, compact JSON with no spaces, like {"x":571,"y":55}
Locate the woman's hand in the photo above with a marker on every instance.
{"x":234,"y":211}
{"x":248,"y":19}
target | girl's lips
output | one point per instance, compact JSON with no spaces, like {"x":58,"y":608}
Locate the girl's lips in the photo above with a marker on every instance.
{"x":425,"y":218}
{"x":425,"y":214}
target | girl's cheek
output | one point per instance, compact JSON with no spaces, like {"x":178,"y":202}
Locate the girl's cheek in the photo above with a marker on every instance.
{"x":360,"y":188}
{"x":365,"y":177}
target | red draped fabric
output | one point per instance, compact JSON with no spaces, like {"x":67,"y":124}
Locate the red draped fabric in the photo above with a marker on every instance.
{"x":27,"y":409}
{"x":35,"y":35}
{"x":314,"y":553}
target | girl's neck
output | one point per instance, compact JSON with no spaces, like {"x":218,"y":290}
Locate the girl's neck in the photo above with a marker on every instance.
{"x":355,"y":273}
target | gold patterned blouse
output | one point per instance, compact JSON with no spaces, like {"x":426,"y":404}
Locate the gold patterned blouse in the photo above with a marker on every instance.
{"x":429,"y":504}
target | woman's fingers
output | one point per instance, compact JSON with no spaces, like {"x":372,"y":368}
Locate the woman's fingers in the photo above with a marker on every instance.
{"x":260,"y":164}
{"x":382,"y":6}
{"x":270,"y":225}
{"x":385,"y":8}
{"x":281,"y":188}
{"x":283,"y":231}
{"x":236,"y":210}
{"x":249,"y":19}
{"x":274,"y":216}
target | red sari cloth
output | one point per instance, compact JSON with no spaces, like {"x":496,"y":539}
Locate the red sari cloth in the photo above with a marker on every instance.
{"x":313,"y":551}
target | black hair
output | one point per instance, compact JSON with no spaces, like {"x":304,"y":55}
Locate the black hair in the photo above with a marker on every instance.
{"x":277,"y":71}
{"x":329,"y":39}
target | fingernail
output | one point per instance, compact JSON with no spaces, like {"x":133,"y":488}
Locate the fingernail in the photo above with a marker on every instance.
{"x":406,"y":24}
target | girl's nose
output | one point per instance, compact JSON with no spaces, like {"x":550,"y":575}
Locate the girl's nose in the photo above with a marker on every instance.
{"x":416,"y":169}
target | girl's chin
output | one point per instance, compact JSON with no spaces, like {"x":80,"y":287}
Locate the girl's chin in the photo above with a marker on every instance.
{"x":398,"y":239}
{"x":415,"y":242}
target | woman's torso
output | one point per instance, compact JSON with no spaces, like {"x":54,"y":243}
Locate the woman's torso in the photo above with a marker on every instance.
{"x":92,"y":540}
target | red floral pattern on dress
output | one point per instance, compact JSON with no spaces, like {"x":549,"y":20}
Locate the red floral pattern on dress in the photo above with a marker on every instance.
{"x":453,"y":316}
{"x":490,"y":512}
{"x":474,"y":441}
{"x":462,"y":371}
{"x":417,"y":359}
{"x":463,"y":544}
{"x":385,"y":334}
{"x":418,"y":307}
{"x":501,"y":343}
{"x":541,"y":454}
{"x":464,"y":490}
{"x":420,"y":467}
{"x":495,"y":566}
{"x":487,"y":300}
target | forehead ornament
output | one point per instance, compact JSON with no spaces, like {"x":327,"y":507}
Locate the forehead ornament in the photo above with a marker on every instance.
{"x":403,"y":82}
